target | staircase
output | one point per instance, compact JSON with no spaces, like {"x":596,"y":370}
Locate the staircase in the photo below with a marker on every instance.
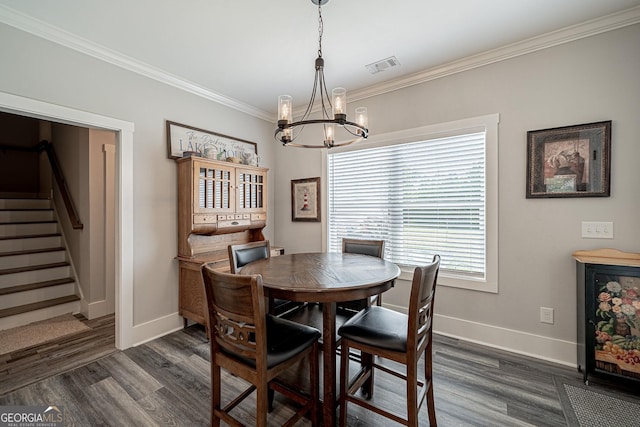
{"x":36,"y":278}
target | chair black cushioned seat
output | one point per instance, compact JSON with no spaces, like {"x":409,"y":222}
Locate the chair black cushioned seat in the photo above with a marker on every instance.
{"x":284,"y":340}
{"x":377,"y":326}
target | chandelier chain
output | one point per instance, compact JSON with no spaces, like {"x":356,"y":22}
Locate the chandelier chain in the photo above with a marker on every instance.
{"x":320,"y":30}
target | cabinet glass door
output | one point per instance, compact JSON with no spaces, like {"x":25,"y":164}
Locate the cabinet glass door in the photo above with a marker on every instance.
{"x":214,"y":188}
{"x":250,"y":191}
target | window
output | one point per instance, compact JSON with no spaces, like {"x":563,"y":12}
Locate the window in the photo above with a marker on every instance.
{"x":424,"y":191}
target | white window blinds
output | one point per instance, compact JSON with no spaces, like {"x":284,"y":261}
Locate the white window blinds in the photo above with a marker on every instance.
{"x":422,"y":198}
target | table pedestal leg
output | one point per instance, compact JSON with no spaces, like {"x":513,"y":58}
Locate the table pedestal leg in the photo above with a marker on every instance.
{"x":329,"y":363}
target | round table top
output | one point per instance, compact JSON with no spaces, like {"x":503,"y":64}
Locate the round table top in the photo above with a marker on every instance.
{"x":324,"y":277}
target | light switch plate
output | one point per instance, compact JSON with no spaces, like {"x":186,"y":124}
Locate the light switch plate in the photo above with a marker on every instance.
{"x":597,"y":230}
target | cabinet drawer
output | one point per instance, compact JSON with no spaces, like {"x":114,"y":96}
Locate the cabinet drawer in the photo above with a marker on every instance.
{"x":205,"y":219}
{"x":234,"y":223}
{"x":225,"y":217}
{"x":259,"y":217}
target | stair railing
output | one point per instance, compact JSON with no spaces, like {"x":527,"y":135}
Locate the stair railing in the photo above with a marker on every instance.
{"x":47,"y":147}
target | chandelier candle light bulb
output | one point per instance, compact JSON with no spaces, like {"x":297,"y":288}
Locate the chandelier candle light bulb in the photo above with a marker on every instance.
{"x":361,"y":117}
{"x":284,"y":108}
{"x":339,"y":96}
{"x":328,"y":139}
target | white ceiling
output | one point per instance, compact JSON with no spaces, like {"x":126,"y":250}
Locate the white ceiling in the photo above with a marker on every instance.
{"x":245,"y":53}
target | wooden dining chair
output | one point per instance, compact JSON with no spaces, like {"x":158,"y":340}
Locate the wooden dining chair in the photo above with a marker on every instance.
{"x":403,"y":338}
{"x":242,"y":254}
{"x":365,"y":247}
{"x":255,"y":346}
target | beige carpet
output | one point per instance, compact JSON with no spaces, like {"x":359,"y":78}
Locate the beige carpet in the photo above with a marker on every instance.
{"x":39,"y":333}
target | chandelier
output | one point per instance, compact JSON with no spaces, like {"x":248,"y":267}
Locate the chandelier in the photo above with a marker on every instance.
{"x":288,"y":130}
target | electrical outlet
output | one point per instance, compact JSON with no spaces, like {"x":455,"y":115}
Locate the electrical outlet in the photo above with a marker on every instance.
{"x":546,"y":315}
{"x":597,"y":230}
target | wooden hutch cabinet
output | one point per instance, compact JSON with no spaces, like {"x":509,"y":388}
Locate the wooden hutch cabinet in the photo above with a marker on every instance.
{"x":608,"y":303}
{"x":219,"y":204}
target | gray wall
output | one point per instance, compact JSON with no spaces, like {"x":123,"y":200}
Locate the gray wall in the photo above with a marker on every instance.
{"x":38,"y":69}
{"x":588,"y":80}
{"x":80,"y":154}
{"x":584,"y":81}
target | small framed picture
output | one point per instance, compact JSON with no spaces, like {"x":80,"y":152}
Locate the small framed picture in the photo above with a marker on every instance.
{"x":305,"y":199}
{"x":571,"y":161}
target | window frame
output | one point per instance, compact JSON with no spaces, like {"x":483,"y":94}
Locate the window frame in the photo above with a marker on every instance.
{"x":489,"y":125}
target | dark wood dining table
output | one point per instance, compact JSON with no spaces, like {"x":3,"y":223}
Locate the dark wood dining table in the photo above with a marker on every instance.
{"x":325,"y":278}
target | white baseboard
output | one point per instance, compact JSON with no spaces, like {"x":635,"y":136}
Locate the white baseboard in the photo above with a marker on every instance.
{"x":538,"y":346}
{"x":95,"y":309}
{"x":527,"y":344}
{"x":156,"y":328}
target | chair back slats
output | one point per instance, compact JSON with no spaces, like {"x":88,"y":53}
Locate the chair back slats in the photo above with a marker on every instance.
{"x":242,"y":254}
{"x":235,"y":337}
{"x":423,"y":289}
{"x":239,"y":312}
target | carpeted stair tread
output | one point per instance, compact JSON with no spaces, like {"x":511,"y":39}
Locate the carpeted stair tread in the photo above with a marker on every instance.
{"x":34,"y":267}
{"x":12,"y":311}
{"x":36,"y":285}
{"x":24,"y":339}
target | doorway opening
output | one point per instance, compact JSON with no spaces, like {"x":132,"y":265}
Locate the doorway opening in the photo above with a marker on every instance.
{"x":123,"y":195}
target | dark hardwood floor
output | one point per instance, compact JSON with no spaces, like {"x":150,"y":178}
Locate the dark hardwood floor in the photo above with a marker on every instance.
{"x":166,"y":382}
{"x":29,"y":365}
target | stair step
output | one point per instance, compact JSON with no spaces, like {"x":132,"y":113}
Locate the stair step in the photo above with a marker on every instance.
{"x":28,"y":228}
{"x":23,"y":276}
{"x":32,"y":251}
{"x":21,"y":203}
{"x":26,"y":215}
{"x":19,"y":243}
{"x":33,"y":268}
{"x":42,"y":221}
{"x":35,"y":295}
{"x":37,"y":305}
{"x":26,"y":258}
{"x":32,"y":286}
{"x":30,"y":236}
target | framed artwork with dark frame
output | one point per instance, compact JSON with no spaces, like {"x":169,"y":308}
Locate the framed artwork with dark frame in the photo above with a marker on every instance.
{"x":570,"y":161}
{"x":305,"y":199}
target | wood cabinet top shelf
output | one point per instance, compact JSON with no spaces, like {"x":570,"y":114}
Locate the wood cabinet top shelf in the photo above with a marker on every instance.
{"x":608,"y":257}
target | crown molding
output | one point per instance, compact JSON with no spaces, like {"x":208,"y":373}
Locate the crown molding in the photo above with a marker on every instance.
{"x":544,"y":41}
{"x":49,"y":32}
{"x":54,"y":34}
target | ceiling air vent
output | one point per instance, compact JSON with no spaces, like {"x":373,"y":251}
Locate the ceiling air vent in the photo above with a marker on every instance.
{"x":382,"y":65}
